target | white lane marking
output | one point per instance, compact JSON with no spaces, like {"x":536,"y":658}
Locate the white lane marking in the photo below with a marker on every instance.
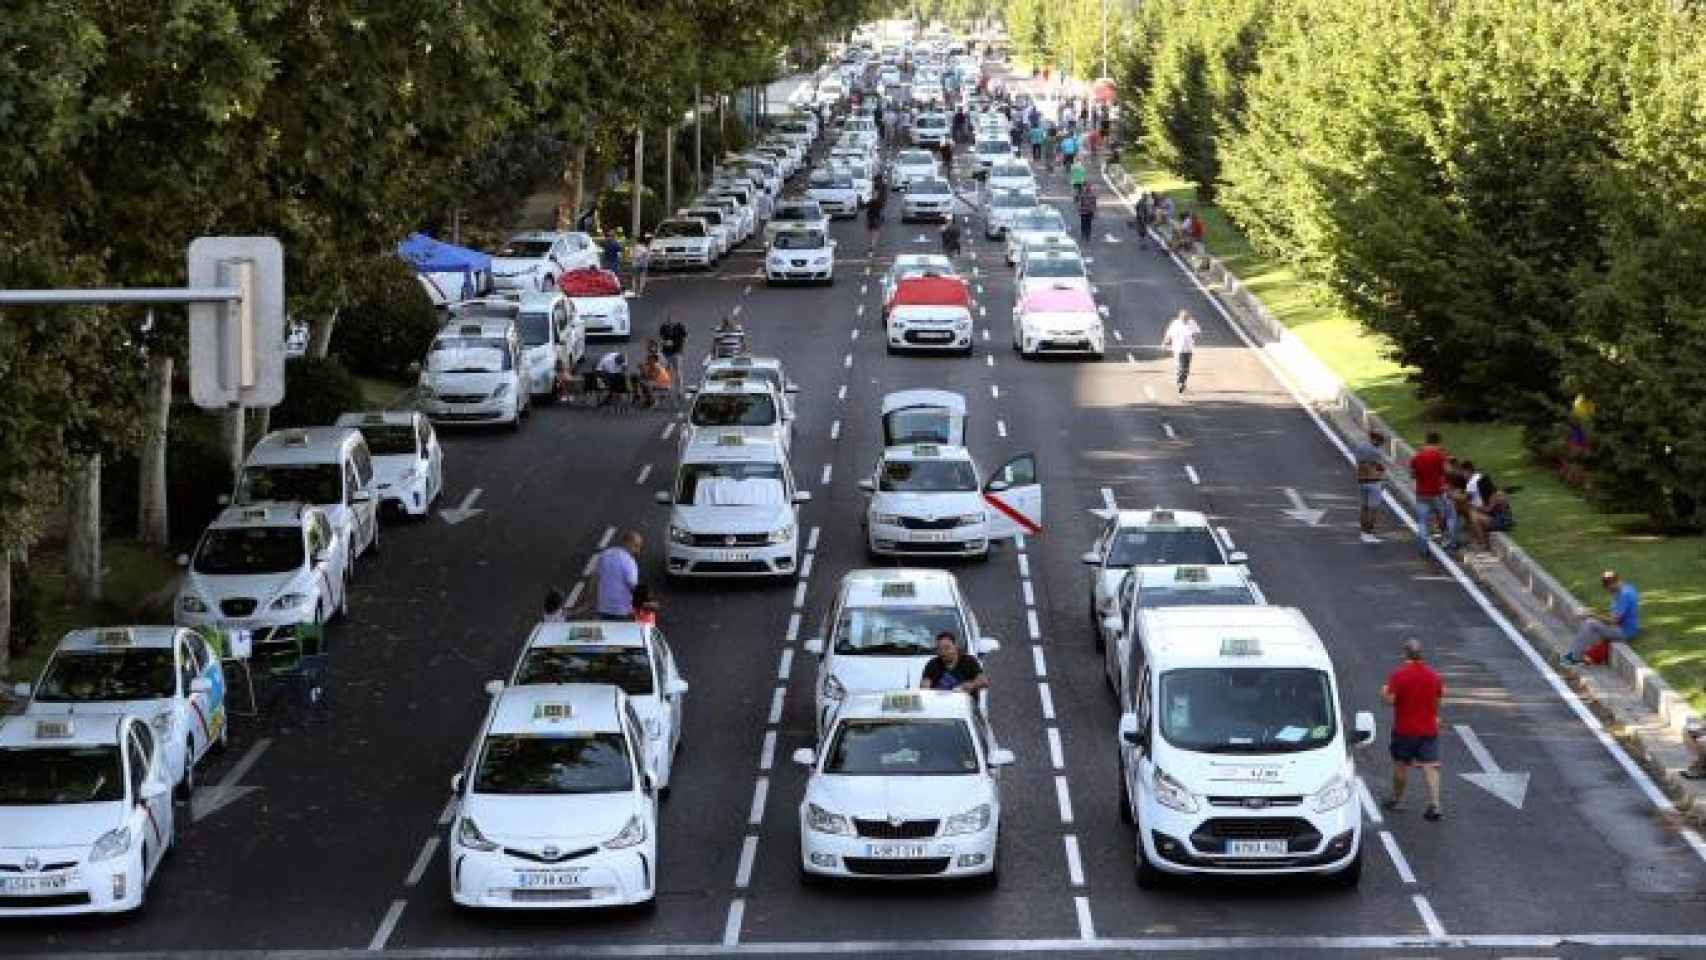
{"x":1086,"y":926}
{"x":1429,"y":918}
{"x":228,"y":790}
{"x":835,"y":430}
{"x":989,"y":359}
{"x":842,"y":393}
{"x":1048,"y":700}
{"x":1074,"y":861}
{"x":1001,"y":427}
{"x":1131,"y":358}
{"x":995,"y":391}
{"x":575,"y":594}
{"x":847,"y":361}
{"x":859,"y":311}
{"x":449,"y":812}
{"x":980,"y":289}
{"x":387,"y":925}
{"x":748,"y":853}
{"x":800,"y":595}
{"x":985,"y":334}
{"x":785,"y":665}
{"x":864,"y":288}
{"x":1391,"y":844}
{"x":855,"y":334}
{"x":776,"y":699}
{"x":1031,"y":626}
{"x":1191,"y":472}
{"x":747,"y":292}
{"x":760,"y":795}
{"x":1056,"y":754}
{"x":736,"y":311}
{"x":645,"y":472}
{"x":1108,"y":498}
{"x":1063,"y":797}
{"x":609,"y":535}
{"x":828,"y":471}
{"x":982,"y":312}
{"x":811,"y":538}
{"x":767,"y":755}
{"x":1167,"y":428}
{"x":1148,"y":391}
{"x":1369,"y":807}
{"x":591,"y":562}
{"x":806,"y":565}
{"x":668,"y":430}
{"x":793,"y":623}
{"x":1118,"y":337}
{"x":1226,"y":538}
{"x":1024,"y":565}
{"x":731,"y":928}
{"x":421,"y":861}
{"x":1029,"y":592}
{"x":1039,"y":666}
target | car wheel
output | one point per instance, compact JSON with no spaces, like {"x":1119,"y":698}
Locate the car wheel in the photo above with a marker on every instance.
{"x":186,"y":787}
{"x":1351,"y":874}
{"x":1095,"y":624}
{"x":1125,"y":796}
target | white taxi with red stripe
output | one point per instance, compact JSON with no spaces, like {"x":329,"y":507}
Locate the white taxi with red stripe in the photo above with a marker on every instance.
{"x":85,"y":813}
{"x":926,"y":501}
{"x":169,"y":676}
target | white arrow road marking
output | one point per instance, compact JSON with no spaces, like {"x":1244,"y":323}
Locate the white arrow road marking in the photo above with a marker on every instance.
{"x":1110,"y":238}
{"x":210,"y":800}
{"x":1511,"y":787}
{"x":466,"y":511}
{"x":1301,"y":511}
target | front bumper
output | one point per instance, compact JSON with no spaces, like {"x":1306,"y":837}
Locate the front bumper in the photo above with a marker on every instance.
{"x":798,"y":270}
{"x":264,"y":618}
{"x":605,"y":878}
{"x":477,"y":411}
{"x":1200,"y":843}
{"x":767,"y":560}
{"x":970,"y":540}
{"x":409,"y":498}
{"x":836,"y":855}
{"x":1044,"y":341}
{"x":111,"y":886}
{"x":929,"y":338}
{"x":667,"y":259}
{"x":943,"y":211}
{"x":847,"y":207}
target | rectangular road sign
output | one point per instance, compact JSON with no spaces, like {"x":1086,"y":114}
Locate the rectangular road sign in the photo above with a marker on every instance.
{"x":237,"y":348}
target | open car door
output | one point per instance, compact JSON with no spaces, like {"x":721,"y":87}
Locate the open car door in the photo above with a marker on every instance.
{"x":924,"y":416}
{"x":1015,"y":498}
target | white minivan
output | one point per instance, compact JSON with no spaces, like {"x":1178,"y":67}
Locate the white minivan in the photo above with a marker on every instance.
{"x":327,"y":467}
{"x":1234,"y":758}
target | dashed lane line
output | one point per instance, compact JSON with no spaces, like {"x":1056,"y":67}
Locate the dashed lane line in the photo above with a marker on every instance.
{"x":1429,"y":918}
{"x":748,"y":853}
{"x":591,"y":563}
{"x":1032,"y":626}
{"x":1118,"y":337}
{"x":608,"y":535}
{"x":421,"y":861}
{"x":800,"y":595}
{"x":1108,"y":498}
{"x":731,"y":927}
{"x":736,"y":311}
{"x":989,"y":359}
{"x":1056,"y":754}
{"x":995,"y":391}
{"x":806,"y":565}
{"x":1398,"y":860}
{"x":387,"y":926}
{"x":1024,"y":566}
{"x":668,"y":430}
{"x":847,"y":362}
{"x":1086,"y":926}
{"x":1167,"y":428}
{"x":776,"y":700}
{"x":448,"y":813}
{"x":1029,"y":592}
{"x":1039,"y":665}
{"x":645,"y":472}
{"x":1048,"y":701}
{"x":1369,"y":807}
{"x":828,"y":471}
{"x":1001,"y":427}
{"x":760,"y":796}
{"x":767,"y":755}
{"x":1191,"y":472}
{"x":1074,"y":860}
{"x":841,"y":394}
{"x":575,"y":593}
{"x":785,"y":665}
{"x":835,"y":430}
{"x":1063,"y":798}
{"x":811,"y":542}
{"x":985,"y":333}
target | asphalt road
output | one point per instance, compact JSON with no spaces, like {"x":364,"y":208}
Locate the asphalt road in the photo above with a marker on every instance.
{"x":336,"y":845}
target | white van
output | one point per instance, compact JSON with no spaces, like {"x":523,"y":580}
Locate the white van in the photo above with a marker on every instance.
{"x":553,"y":337}
{"x":475,"y":373}
{"x":1233,"y":753}
{"x":328,"y":467}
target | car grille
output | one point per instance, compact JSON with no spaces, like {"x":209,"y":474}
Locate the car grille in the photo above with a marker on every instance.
{"x":1261,"y":802}
{"x":951,"y":546}
{"x":1211,"y":836}
{"x":930,"y":336}
{"x":919,"y":523}
{"x":462,"y":397}
{"x":237,"y":606}
{"x":51,"y":900}
{"x":730,"y":540}
{"x":905,"y":830}
{"x":798,"y":263}
{"x":890,"y":867}
{"x":44,"y":868}
{"x":532,"y":857}
{"x":731,"y":566}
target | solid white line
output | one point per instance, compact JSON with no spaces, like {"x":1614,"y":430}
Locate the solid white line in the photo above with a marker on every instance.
{"x":1001,"y":427}
{"x":1391,"y":844}
{"x":575,"y":594}
{"x":859,"y":311}
{"x":828,"y":469}
{"x":1108,"y":498}
{"x":1074,"y":861}
{"x":591,"y":562}
{"x":1429,"y":918}
{"x":645,"y":472}
{"x":793,"y":623}
{"x":847,"y":361}
{"x":1024,"y":565}
{"x":668,"y":429}
{"x":800,"y":594}
{"x":1030,"y":594}
{"x":835,"y":430}
{"x":1048,"y":701}
{"x":1086,"y":927}
{"x":1226,"y":538}
{"x":760,"y":794}
{"x":1167,"y":428}
{"x":387,"y":925}
{"x":609,"y":535}
{"x":1038,"y":664}
{"x":1031,"y":625}
{"x":989,"y":359}
{"x":731,"y":927}
{"x":767,"y":754}
{"x":776,"y":699}
{"x":1056,"y":756}
{"x":1148,"y":391}
{"x":1118,"y":337}
{"x":1369,"y":807}
{"x":449,"y":812}
{"x":785,"y":665}
{"x":1063,"y":797}
{"x":842,"y":393}
{"x":1191,"y":472}
{"x":811,"y":538}
{"x":995,"y":391}
{"x":421,"y":861}
{"x":748,"y":853}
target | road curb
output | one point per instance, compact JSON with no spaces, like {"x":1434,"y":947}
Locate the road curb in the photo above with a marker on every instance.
{"x":1635,"y":704}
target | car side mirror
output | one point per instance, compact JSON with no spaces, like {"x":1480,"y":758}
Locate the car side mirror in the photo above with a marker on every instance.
{"x":802,"y":496}
{"x":201,"y":685}
{"x":791,"y":388}
{"x":456,"y":783}
{"x":1001,"y":757}
{"x":815,"y":645}
{"x":676,"y":687}
{"x":663,"y":497}
{"x":988,"y":644}
{"x":805,"y":756}
{"x":1112,"y":626}
{"x":1364,"y":726}
{"x":996,"y":486}
{"x":869,"y":486}
{"x":1129,"y":733}
{"x":1091,"y":557}
{"x":494,"y":687}
{"x":182,"y":560}
{"x":1238,"y":556}
{"x":650,"y":782}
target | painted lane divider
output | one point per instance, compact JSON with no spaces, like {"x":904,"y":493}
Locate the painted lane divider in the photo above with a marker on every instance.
{"x":645,"y":471}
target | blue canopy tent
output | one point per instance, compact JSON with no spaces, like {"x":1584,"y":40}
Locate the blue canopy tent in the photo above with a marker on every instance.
{"x":438,"y":263}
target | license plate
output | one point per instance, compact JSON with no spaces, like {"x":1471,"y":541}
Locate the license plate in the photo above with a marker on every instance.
{"x":932,"y":537}
{"x":28,"y":885}
{"x":894,"y":851}
{"x":1256,"y":848}
{"x":935,"y":335}
{"x":733,"y":555}
{"x":547,"y":879}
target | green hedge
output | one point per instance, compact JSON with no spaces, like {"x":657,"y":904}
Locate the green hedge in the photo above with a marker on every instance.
{"x":389,"y":326}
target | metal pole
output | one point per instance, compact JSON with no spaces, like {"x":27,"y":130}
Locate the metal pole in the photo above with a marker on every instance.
{"x":636,"y":183}
{"x":669,"y":169}
{"x":698,"y":129}
{"x":157,"y":295}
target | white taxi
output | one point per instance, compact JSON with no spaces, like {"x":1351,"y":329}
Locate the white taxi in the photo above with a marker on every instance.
{"x":882,"y":630}
{"x":927,"y":198}
{"x":1058,"y":319}
{"x":907,"y":785}
{"x":1014,"y":174}
{"x":556,"y":805}
{"x":168,"y":676}
{"x":85,"y":814}
{"x":1146,"y":538}
{"x":734,"y":510}
{"x":834,"y":191}
{"x":684,"y":242}
{"x":1031,"y":226}
{"x":262,"y":566}
{"x":1155,"y":588}
{"x":909,"y":265}
{"x":923,"y":416}
{"x":749,"y":408}
{"x":1043,"y":269}
{"x":796,"y":215}
{"x":633,"y":656}
{"x":1004,"y":208}
{"x":408,"y":463}
{"x":925,"y":501}
{"x":910,"y":165}
{"x":763,"y":369}
{"x":534,"y":259}
{"x":800,"y":255}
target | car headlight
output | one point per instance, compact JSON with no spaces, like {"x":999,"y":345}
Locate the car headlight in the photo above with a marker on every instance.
{"x":113,"y":843}
{"x":776,"y":260}
{"x":290,"y":601}
{"x":886,"y":519}
{"x":1172,"y":793}
{"x":782,"y":534}
{"x":970,"y":518}
{"x":832,"y":688}
{"x":162,"y":722}
{"x":975,"y":820}
{"x":468,"y":835}
{"x":822,"y":821}
{"x":1334,"y":795}
{"x":680,"y":535}
{"x":633,"y":833}
{"x":654,"y":729}
{"x":190,"y":603}
{"x":502,"y":391}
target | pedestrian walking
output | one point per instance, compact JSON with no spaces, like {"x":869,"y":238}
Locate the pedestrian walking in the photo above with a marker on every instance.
{"x":611,"y":253}
{"x":616,"y":574}
{"x":1038,"y":134}
{"x":1622,"y":622}
{"x":951,"y":237}
{"x":1371,"y":480}
{"x":1427,"y":469}
{"x":1414,"y":690}
{"x":873,"y":221}
{"x":1080,"y":176}
{"x":672,"y":339}
{"x":1068,"y":149}
{"x":1086,"y":210}
{"x":1182,"y":336}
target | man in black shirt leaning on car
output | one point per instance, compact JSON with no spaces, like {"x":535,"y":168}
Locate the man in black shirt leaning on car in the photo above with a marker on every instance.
{"x":950,"y":669}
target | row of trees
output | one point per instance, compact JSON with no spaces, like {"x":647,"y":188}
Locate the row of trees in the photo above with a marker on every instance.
{"x":1076,"y":37}
{"x":133,"y":126}
{"x":1513,"y":192}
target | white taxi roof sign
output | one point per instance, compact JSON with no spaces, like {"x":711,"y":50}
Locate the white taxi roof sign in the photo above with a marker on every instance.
{"x":58,"y":728}
{"x":1191,"y":574}
{"x":553,"y":712}
{"x":1240,"y":647}
{"x":114,"y":637}
{"x":926,"y":450}
{"x":1161,"y":516}
{"x":586,"y":633}
{"x":730,"y":440}
{"x":904,"y":701}
{"x":899,"y":588}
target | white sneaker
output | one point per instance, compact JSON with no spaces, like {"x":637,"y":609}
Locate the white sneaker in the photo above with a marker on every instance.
{"x":1370,"y":538}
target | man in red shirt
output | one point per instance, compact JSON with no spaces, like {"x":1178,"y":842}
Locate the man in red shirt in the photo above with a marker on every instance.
{"x":1414,"y":690}
{"x":1428,"y":469}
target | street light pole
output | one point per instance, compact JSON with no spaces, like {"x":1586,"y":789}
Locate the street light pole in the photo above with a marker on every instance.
{"x":636,"y":183}
{"x":1104,"y":38}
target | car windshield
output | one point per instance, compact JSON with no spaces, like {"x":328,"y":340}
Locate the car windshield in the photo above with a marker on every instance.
{"x":247,"y":551}
{"x":884,"y":748}
{"x":535,"y":328}
{"x":468,"y":355}
{"x":916,"y":158}
{"x":1141,"y":547}
{"x":1009,"y":201}
{"x":895,"y":631}
{"x":799,"y":211}
{"x":799,"y":240}
{"x":1246,"y":709}
{"x":681,"y":228}
{"x":1054,"y":267}
{"x":918,"y":425}
{"x":726,"y":484}
{"x":295,"y":482}
{"x":1216,"y":596}
{"x":524,"y":249}
{"x":83,"y":676}
{"x":928,"y":476}
{"x":713,"y":217}
{"x":35,"y":776}
{"x":390,"y":439}
{"x":734,"y":410}
{"x":929,"y":185}
{"x":557,"y":764}
{"x":1047,"y":220}
{"x":627,"y":667}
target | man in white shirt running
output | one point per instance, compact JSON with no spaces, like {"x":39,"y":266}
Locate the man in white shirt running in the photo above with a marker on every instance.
{"x":1182,"y":336}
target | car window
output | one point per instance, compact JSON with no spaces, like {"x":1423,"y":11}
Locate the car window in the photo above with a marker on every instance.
{"x":390,"y":439}
{"x":523,"y":764}
{"x":1143,"y":547}
{"x":34,"y":776}
{"x":901,"y":747}
{"x":319,"y":483}
{"x":927,"y":476}
{"x":625,"y":667}
{"x":138,"y":759}
{"x":895,"y":630}
{"x":87,"y":676}
{"x":245,"y":551}
{"x":734,"y":410}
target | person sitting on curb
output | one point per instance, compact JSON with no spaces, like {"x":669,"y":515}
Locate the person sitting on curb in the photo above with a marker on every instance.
{"x":1693,"y":732}
{"x":1622,"y":622}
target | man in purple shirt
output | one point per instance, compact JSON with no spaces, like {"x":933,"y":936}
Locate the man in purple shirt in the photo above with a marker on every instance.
{"x":616,"y":573}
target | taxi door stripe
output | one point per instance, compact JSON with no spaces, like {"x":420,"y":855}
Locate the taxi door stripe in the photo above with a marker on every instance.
{"x":148,"y":810}
{"x":202,"y":720}
{"x":1012,"y":514}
